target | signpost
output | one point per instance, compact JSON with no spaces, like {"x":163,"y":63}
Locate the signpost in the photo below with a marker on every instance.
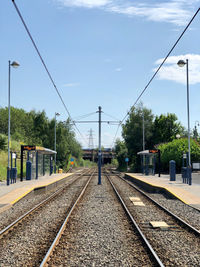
{"x":127,"y":160}
{"x":72,"y":161}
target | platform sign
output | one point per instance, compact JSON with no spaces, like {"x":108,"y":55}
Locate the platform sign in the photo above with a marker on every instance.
{"x":126,"y":159}
{"x":28,"y":147}
{"x":154,"y":151}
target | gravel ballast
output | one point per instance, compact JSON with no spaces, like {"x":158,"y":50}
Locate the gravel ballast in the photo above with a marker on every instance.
{"x":27,"y":244}
{"x":175,"y":246}
{"x":30,"y":201}
{"x":99,"y":234}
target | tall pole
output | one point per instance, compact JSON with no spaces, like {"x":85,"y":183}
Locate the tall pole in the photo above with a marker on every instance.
{"x":143,"y":140}
{"x":99,"y":154}
{"x":55,"y":144}
{"x":182,"y":63}
{"x":56,"y":114}
{"x":188,"y":115}
{"x":8,"y":168}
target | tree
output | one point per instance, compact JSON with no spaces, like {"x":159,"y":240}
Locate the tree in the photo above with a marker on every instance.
{"x":195,"y":133}
{"x":166,"y":128}
{"x":34,"y":128}
{"x":121,"y":153}
{"x":132,"y":132}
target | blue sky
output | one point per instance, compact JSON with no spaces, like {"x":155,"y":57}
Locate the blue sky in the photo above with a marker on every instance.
{"x":100,"y":52}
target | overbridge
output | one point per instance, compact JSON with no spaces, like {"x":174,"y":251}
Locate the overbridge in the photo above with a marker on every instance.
{"x":92,"y":155}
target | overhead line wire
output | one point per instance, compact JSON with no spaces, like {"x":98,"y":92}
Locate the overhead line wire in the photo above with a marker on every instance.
{"x":45,"y":66}
{"x":163,"y":61}
{"x":158,"y":69}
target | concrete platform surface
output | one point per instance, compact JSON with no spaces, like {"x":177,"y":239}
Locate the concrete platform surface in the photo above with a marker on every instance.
{"x":189,"y":194}
{"x":12,"y":193}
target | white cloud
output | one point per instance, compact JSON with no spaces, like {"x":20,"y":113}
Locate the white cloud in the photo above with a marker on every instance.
{"x":172,"y":12}
{"x":177,"y":12}
{"x":85,"y":3}
{"x":171,"y":71}
{"x":118,"y":69}
{"x":71,"y":84}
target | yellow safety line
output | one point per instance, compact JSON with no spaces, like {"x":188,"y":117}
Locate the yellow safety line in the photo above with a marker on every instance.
{"x":27,"y":192}
{"x":158,"y":187}
{"x":23,"y":195}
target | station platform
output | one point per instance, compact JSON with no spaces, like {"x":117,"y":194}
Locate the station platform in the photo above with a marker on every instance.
{"x":189,"y":194}
{"x":9,"y":195}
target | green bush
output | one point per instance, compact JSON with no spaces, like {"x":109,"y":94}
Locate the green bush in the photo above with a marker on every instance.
{"x":174,"y":151}
{"x":2,"y":142}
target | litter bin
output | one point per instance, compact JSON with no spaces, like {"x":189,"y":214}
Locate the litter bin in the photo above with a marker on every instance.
{"x":172,"y":170}
{"x":28,"y":170}
{"x":60,"y":170}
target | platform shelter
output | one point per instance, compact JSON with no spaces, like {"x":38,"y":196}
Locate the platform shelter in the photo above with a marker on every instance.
{"x":148,"y":161}
{"x":39,"y":161}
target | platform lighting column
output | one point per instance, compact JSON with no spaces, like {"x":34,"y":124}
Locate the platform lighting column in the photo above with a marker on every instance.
{"x":14,"y":64}
{"x":99,"y":154}
{"x":56,"y":114}
{"x":143,"y":139}
{"x":182,"y":63}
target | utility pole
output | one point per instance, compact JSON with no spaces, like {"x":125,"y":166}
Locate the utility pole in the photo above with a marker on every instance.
{"x":99,"y":150}
{"x":56,"y":114}
{"x":99,"y":154}
{"x":143,"y":140}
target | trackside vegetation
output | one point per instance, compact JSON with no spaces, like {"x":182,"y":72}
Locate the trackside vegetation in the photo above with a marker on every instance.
{"x":162,"y":132}
{"x":35,"y":128}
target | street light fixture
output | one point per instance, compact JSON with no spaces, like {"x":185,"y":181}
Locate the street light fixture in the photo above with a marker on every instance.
{"x":182,"y":63}
{"x":14,"y":64}
{"x":56,"y":114}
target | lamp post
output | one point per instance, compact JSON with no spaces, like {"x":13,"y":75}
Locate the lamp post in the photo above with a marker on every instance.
{"x":56,"y":114}
{"x":182,"y":63}
{"x":143,"y":140}
{"x":14,"y":64}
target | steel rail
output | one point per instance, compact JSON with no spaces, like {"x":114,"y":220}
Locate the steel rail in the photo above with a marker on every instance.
{"x":59,"y":234}
{"x":28,"y":213}
{"x":151,"y":250}
{"x":190,"y":227}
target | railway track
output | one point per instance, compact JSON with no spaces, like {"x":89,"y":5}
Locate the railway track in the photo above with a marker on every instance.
{"x":25,"y":241}
{"x":186,"y":214}
{"x":86,"y":225}
{"x":27,"y":203}
{"x":99,"y":234}
{"x":175,"y":242}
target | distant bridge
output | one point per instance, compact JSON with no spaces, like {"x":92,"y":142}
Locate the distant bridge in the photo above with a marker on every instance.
{"x":92,"y":155}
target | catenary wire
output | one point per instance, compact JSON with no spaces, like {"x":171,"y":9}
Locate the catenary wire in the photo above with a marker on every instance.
{"x":45,"y":66}
{"x":84,"y":116}
{"x":156,"y":72}
{"x":111,"y":116}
